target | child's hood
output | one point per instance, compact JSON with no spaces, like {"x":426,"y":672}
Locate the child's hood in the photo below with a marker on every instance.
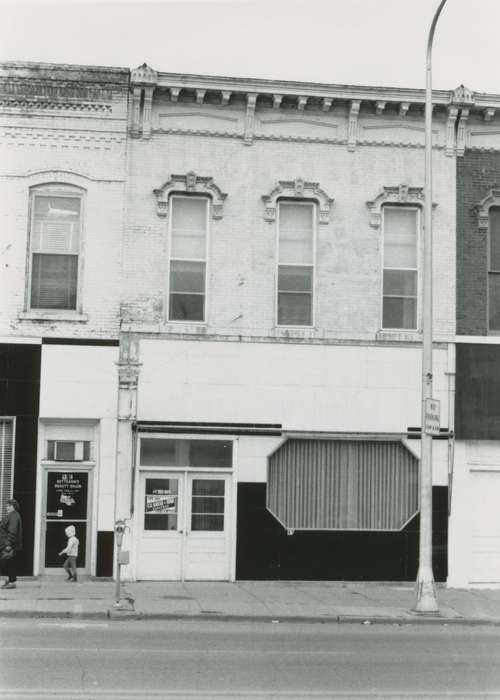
{"x":70,"y":531}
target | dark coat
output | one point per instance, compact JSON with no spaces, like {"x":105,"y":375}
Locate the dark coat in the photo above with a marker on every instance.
{"x":11,"y":531}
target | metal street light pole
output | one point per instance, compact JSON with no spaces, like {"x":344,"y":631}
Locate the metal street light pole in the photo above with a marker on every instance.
{"x":426,"y":601}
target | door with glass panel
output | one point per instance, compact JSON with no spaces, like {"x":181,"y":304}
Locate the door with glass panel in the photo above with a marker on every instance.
{"x":160,"y":547}
{"x":185,"y":527}
{"x":184,"y":508}
{"x":207,"y":545}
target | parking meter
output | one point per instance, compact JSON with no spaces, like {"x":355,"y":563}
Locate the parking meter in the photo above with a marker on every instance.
{"x":119,"y":530}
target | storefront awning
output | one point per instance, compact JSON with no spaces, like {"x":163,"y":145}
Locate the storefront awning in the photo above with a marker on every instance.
{"x":343,"y":485}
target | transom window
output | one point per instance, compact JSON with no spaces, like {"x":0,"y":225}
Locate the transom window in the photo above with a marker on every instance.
{"x":494,"y":270}
{"x":188,"y":258}
{"x":400,"y":276}
{"x":56,"y":228}
{"x":296,"y":253}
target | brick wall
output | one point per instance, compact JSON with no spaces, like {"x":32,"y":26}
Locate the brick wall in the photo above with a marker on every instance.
{"x":477,"y":173}
{"x":67,"y":127}
{"x":242,"y":262}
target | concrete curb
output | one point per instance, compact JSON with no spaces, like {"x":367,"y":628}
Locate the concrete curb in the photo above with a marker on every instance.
{"x":116,"y":615}
{"x":334,"y":619}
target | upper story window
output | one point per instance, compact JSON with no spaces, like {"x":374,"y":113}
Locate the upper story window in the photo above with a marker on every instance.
{"x":55,"y":240}
{"x":188,"y":257}
{"x":400,"y":277}
{"x":494,"y":270}
{"x":296,"y":254}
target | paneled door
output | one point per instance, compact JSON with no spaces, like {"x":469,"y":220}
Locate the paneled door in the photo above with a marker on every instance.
{"x":184,"y":532}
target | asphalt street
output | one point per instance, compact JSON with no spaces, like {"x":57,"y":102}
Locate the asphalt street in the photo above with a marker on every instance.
{"x":153,"y":659}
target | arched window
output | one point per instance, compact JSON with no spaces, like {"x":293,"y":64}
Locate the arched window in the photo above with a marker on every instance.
{"x":297,"y":206}
{"x":55,"y":247}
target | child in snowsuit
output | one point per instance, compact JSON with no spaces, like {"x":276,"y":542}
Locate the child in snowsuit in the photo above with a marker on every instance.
{"x":71,"y":552}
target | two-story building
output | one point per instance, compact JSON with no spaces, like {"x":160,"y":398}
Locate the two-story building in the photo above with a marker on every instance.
{"x":212,"y":325}
{"x":62,"y":184}
{"x":272,"y":328}
{"x":475,"y":482}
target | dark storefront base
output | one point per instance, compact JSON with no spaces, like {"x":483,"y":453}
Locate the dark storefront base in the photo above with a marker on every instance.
{"x":19,"y":397}
{"x":266,"y":552}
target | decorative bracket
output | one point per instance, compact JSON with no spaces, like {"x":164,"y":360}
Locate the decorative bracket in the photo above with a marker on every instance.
{"x":401,"y":194}
{"x":353,"y":125}
{"x":450,"y":130}
{"x":250,"y":118}
{"x":143,"y":81}
{"x":297,"y":189}
{"x":492,"y":199}
{"x":192,"y":184}
{"x":461,"y":133}
{"x":327,"y":103}
{"x":403,"y":109}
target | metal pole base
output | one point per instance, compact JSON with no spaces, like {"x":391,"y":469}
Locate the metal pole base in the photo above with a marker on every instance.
{"x":426,"y":600}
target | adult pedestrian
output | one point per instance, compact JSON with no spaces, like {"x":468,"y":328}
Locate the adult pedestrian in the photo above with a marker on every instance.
{"x":11,"y":542}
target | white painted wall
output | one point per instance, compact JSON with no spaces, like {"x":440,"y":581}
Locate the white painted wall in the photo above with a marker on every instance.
{"x":81,"y":383}
{"x":303,"y":387}
{"x":78,"y":381}
{"x":474,"y":525}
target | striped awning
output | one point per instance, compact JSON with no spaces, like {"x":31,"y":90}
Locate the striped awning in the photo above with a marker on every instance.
{"x":343,"y":485}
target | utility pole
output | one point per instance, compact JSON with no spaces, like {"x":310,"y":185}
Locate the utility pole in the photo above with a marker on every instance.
{"x":426,"y":600}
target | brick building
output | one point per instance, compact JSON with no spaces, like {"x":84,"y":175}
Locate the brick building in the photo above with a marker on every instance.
{"x":62,"y":182}
{"x":475,"y":484}
{"x":223,"y":316}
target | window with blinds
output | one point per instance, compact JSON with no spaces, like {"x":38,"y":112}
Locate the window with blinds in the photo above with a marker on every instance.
{"x":400,"y":280}
{"x":6,"y":461}
{"x":188,"y":258}
{"x":342,"y":485}
{"x":295,"y":278}
{"x":55,"y":249}
{"x":494,"y":270}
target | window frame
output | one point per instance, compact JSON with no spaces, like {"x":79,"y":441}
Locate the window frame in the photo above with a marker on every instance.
{"x":489,"y":271}
{"x":418,"y":210}
{"x":314,"y":205}
{"x":208,"y":203}
{"x":4,"y":420}
{"x":67,"y":190}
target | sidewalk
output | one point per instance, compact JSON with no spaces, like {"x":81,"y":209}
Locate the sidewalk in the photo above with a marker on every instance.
{"x":292,"y":601}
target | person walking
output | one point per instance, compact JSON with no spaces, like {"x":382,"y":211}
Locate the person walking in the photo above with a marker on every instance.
{"x":71,"y":552}
{"x":11,"y":542}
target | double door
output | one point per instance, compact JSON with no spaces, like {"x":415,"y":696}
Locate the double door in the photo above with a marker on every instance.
{"x":184,"y":531}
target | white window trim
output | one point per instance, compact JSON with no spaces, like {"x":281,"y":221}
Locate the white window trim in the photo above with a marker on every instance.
{"x":207,"y":248}
{"x":60,"y":189}
{"x":12,"y":420}
{"x":418,"y":210}
{"x":302,"y":202}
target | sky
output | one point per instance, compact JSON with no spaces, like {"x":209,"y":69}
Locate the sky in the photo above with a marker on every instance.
{"x":359,"y":42}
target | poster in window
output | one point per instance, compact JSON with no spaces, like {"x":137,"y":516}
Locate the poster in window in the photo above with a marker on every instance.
{"x":67,"y":495}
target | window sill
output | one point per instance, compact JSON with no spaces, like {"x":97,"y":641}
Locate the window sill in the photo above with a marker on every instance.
{"x":53,"y":316}
{"x":402,"y":335}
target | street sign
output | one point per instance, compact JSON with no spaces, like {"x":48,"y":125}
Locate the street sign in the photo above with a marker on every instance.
{"x":432,"y":417}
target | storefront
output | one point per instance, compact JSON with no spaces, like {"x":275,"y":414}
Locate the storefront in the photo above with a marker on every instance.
{"x":185,"y":508}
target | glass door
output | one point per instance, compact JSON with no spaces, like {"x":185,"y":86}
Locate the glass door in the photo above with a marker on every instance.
{"x":66,"y":502}
{"x":207,"y":542}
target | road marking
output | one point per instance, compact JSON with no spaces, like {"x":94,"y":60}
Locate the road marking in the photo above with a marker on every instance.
{"x":240,"y":694}
{"x":74,"y":625}
{"x":127,"y":650}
